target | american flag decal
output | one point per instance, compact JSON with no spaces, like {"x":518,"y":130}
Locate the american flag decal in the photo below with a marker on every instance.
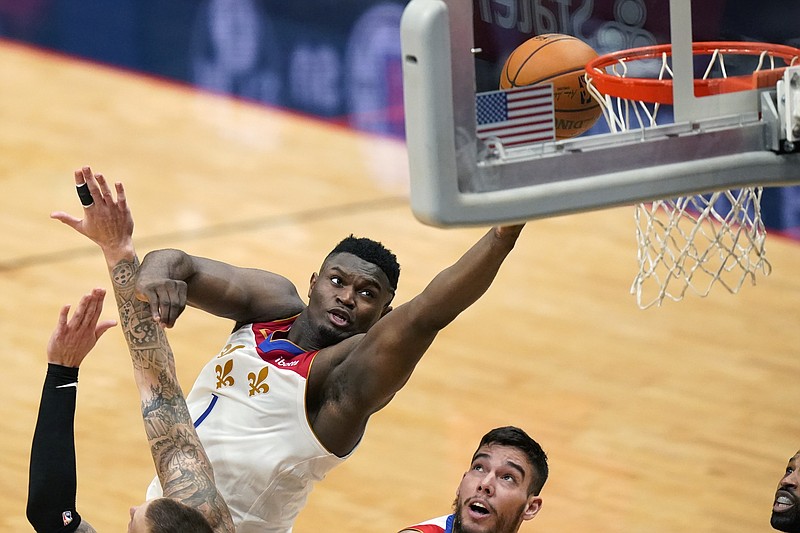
{"x":516,"y":116}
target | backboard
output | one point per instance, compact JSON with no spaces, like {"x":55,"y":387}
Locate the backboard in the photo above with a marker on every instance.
{"x":454,"y":49}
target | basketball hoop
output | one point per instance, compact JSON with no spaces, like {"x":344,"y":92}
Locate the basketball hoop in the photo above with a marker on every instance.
{"x":689,"y":242}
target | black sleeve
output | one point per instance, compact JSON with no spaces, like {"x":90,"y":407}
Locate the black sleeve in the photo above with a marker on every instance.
{"x":52,"y":481}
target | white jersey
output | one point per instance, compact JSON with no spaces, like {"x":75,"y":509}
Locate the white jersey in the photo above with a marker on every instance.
{"x":248,"y":405}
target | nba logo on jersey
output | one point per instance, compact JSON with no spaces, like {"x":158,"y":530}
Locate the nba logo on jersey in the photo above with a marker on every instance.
{"x":66,"y":516}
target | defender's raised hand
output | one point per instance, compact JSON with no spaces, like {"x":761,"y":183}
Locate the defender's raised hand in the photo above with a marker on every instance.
{"x":73,"y":339}
{"x":107,"y":220}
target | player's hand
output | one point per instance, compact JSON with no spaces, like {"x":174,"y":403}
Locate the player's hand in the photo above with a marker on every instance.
{"x":509,"y":232}
{"x":107,"y":221}
{"x":73,"y":339}
{"x":167,"y":297}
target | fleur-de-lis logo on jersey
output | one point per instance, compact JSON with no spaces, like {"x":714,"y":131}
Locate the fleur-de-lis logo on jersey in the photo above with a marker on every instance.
{"x":229,"y":349}
{"x":224,"y":378}
{"x":257,"y":385}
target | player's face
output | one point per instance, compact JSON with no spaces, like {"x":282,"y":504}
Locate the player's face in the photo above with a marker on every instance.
{"x":786,"y":508}
{"x":347,"y":297}
{"x":493,"y":494}
{"x":138,"y":523}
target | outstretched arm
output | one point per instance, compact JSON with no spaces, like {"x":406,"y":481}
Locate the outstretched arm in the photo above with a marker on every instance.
{"x":169,"y":280}
{"x":181,"y":463}
{"x":52,"y":482}
{"x":382,"y":362}
{"x":172,"y":279}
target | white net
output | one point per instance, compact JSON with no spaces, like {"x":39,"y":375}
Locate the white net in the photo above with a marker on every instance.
{"x":688,"y":243}
{"x":694,"y":242}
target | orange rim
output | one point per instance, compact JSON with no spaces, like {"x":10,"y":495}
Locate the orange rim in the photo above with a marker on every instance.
{"x":660,"y":91}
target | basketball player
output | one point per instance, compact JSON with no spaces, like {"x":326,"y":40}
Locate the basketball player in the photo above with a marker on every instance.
{"x":501,"y":488}
{"x":786,"y":509}
{"x":192,"y":502}
{"x":271,"y":422}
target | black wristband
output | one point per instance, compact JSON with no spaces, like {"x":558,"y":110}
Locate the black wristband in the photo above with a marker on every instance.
{"x":59,"y":375}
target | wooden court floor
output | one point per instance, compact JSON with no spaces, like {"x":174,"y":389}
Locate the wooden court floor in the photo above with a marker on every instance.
{"x":676,"y":419}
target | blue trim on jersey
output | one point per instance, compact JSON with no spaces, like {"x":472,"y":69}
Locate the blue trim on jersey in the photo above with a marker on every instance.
{"x":449,"y":523}
{"x":202,"y":417}
{"x":269,"y":344}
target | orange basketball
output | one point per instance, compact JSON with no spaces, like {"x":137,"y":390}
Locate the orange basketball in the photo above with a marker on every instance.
{"x":560,"y":60}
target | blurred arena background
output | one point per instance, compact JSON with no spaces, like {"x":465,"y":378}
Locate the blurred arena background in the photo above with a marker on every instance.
{"x":261,"y":132}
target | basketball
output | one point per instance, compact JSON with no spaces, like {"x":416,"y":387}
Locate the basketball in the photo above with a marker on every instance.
{"x":558,"y":59}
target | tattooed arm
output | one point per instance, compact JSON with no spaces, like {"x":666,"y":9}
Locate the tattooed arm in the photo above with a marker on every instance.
{"x":182,"y":465}
{"x":181,"y":462}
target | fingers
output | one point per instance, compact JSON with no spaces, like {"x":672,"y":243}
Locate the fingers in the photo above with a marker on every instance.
{"x":103,"y":326}
{"x":99,"y":188}
{"x":105,"y":191}
{"x":62,"y":317}
{"x":80,"y":179}
{"x":512,"y":231}
{"x":167,"y":302}
{"x":98,"y":294}
{"x":121,"y":199}
{"x":89,"y":314}
{"x":176,"y":303}
{"x":79,"y":316}
{"x":82,"y":188}
{"x":151,"y":297}
{"x":88,"y":310}
{"x":95,"y":304}
{"x":66,"y":218}
{"x":168,"y":314}
{"x":90,"y":180}
{"x":98,"y":185}
{"x":75,"y":337}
